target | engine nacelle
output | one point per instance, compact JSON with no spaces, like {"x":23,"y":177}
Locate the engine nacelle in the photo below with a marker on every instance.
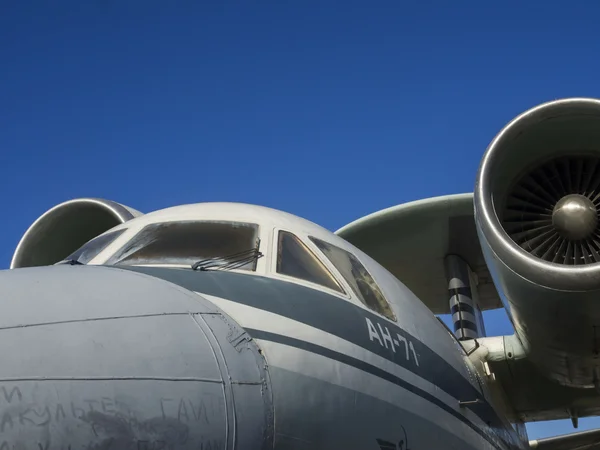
{"x":537,"y":199}
{"x":64,"y":228}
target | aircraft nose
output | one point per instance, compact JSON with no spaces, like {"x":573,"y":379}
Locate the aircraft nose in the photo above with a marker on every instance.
{"x":101,"y":358}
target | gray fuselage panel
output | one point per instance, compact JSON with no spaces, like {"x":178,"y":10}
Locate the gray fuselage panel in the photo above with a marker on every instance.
{"x":95,"y":358}
{"x":155,"y":358}
{"x":298,"y":328}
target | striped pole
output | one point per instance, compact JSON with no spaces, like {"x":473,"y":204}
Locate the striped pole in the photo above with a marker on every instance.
{"x":464,"y":304}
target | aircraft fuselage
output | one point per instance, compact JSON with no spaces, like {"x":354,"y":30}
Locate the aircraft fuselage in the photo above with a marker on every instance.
{"x":165,"y":358}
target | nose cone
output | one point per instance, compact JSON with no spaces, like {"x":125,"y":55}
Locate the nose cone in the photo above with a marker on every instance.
{"x":96,"y":357}
{"x":575,"y":217}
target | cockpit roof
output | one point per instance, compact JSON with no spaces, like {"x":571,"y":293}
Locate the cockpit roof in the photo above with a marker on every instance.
{"x":235,"y":212}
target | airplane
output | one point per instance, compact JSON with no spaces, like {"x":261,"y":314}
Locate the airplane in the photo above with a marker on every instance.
{"x":236,"y":326}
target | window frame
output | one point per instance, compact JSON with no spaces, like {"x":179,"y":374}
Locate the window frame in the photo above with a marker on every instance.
{"x":110,"y":259}
{"x":311,"y":247}
{"x":120,"y":232}
{"x":353,"y":294}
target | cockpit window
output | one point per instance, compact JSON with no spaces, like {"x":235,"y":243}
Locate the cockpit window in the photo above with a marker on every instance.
{"x":296,"y":260}
{"x":92,"y":248}
{"x":188,"y":242}
{"x":357,"y":276}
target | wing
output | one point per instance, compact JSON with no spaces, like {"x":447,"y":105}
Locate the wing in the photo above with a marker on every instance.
{"x":521,"y":389}
{"x":585,"y":440}
{"x":412,"y":239}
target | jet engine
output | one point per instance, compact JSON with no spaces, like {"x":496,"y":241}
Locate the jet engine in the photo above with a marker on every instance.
{"x":64,"y":228}
{"x":537,"y":202}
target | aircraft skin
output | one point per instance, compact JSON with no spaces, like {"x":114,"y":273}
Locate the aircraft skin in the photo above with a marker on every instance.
{"x":102,"y":356}
{"x":123,"y":330}
{"x":150,"y":368}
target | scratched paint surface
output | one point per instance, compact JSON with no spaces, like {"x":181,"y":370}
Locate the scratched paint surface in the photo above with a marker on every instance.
{"x":101,"y":359}
{"x":144,"y":415}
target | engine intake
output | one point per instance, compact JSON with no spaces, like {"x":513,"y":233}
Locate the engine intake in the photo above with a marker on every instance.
{"x":552,"y":211}
{"x":64,"y":228}
{"x":537,"y":198}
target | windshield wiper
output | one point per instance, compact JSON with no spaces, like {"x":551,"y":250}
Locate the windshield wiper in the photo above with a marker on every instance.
{"x":228,"y":262}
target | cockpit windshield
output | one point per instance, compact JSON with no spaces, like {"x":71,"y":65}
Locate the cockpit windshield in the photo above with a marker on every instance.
{"x":187,"y":242}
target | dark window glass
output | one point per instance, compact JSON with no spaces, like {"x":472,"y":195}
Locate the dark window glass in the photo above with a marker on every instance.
{"x":357,"y":276}
{"x":296,"y":260}
{"x":188,"y":242}
{"x":91,"y":249}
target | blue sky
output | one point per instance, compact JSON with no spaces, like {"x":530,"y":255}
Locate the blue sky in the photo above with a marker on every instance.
{"x":326,"y":110}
